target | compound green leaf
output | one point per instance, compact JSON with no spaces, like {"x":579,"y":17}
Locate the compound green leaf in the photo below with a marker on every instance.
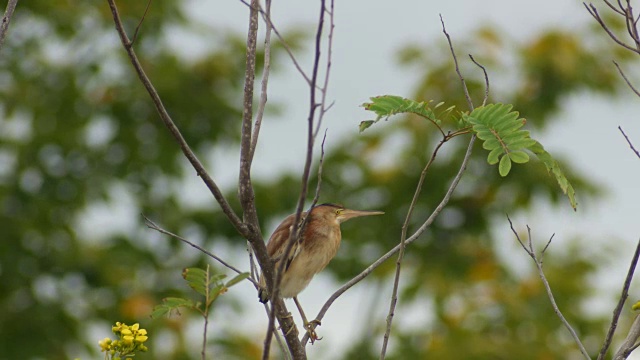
{"x":388,"y":105}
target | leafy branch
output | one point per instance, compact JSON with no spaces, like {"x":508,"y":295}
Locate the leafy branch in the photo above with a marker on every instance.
{"x":204,"y":283}
{"x":499,"y":128}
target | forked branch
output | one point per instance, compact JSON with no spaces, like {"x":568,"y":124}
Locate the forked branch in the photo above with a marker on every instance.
{"x":171,"y":126}
{"x":537,"y":259}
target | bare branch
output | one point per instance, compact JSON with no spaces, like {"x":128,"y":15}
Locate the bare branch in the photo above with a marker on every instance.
{"x":403,"y":237}
{"x":252,"y":262}
{"x":486,"y":80}
{"x":320,"y":166}
{"x":594,"y":12}
{"x":168,"y":122}
{"x":135,"y":34}
{"x":538,"y":261}
{"x":626,"y":79}
{"x":265,"y":81}
{"x":152,"y":225}
{"x":616,"y":313}
{"x":325,"y":87}
{"x":610,"y":5}
{"x":518,"y":236}
{"x":629,"y":343}
{"x":546,"y":246}
{"x":6,"y":19}
{"x":629,"y":142}
{"x":245,"y":188}
{"x":455,"y":61}
{"x":283,"y":42}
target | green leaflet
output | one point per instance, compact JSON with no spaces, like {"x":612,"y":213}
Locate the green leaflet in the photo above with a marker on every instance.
{"x":505,"y":166}
{"x":389,"y":105}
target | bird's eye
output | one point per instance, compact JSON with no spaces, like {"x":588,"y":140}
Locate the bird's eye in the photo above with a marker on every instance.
{"x":338,"y":211}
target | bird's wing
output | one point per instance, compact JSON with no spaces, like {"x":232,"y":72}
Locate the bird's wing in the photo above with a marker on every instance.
{"x":278,"y":242}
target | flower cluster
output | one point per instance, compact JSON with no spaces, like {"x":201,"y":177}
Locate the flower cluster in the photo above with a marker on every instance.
{"x":130,"y":339}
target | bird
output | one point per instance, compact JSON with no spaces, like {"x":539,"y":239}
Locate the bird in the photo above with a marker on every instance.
{"x":318,"y":243}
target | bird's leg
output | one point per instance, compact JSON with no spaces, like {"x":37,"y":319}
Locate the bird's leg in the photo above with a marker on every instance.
{"x":309,"y":326}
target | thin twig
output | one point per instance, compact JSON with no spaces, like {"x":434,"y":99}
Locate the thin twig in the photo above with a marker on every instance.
{"x":412,"y":238}
{"x":320,"y":166}
{"x":594,"y":12}
{"x":6,"y":19}
{"x":546,"y":246}
{"x":610,"y":5}
{"x":629,"y":343}
{"x":455,"y":61}
{"x":135,"y":34}
{"x":252,"y":262}
{"x":538,"y":261}
{"x":205,"y":314}
{"x":168,"y":122}
{"x":626,"y":79}
{"x":281,"y":345}
{"x":265,"y":81}
{"x":403,"y":237}
{"x":152,"y":225}
{"x":325,"y":87}
{"x":629,"y":142}
{"x":618,"y":310}
{"x":486,"y":80}
{"x":286,"y":46}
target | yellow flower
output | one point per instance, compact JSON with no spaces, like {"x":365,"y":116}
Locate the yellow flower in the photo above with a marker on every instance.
{"x":142,"y":332}
{"x":105,"y":344}
{"x":127,"y":339}
{"x":141,"y":338}
{"x":126,"y":332}
{"x":135,"y":327}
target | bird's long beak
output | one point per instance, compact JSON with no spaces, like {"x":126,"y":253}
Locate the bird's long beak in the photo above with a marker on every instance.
{"x":350,"y":214}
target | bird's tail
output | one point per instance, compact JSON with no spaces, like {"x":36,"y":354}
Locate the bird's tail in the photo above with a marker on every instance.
{"x":263,"y":294}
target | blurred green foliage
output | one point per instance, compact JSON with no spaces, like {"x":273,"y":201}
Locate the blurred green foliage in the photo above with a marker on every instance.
{"x":76,"y":128}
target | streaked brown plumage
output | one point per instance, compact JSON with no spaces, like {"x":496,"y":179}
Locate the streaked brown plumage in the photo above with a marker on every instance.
{"x":318,"y":244}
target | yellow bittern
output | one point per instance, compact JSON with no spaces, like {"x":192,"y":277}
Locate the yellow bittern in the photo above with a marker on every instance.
{"x":318,"y":244}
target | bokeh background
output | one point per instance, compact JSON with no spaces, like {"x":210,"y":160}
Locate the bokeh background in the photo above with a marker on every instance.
{"x":82,"y":154}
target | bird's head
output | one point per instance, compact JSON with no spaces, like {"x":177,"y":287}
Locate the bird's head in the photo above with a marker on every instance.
{"x":339,"y":213}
